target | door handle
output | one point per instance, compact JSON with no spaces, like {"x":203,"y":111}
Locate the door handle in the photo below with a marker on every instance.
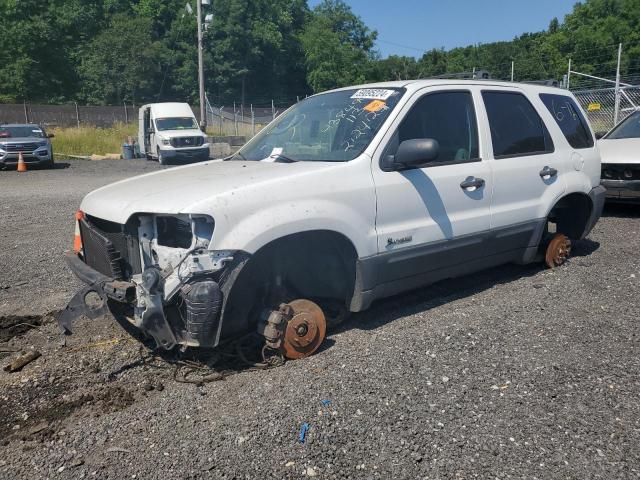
{"x":548,"y":172}
{"x":472,"y":182}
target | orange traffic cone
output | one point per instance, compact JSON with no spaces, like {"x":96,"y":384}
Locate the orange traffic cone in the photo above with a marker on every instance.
{"x":77,"y":239}
{"x":22,"y":167}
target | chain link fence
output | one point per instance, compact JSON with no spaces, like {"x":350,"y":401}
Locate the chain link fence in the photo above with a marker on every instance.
{"x":240,"y":120}
{"x":221,"y":120}
{"x":600,"y":105}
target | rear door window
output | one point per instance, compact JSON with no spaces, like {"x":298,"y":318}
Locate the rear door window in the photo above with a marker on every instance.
{"x":516,"y":127}
{"x":569,"y":118}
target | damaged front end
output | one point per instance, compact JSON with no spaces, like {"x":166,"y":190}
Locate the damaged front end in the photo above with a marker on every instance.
{"x":155,"y":273}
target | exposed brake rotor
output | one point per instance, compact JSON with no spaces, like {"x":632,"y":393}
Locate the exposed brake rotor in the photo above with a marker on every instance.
{"x":558,"y":250}
{"x":305,"y":331}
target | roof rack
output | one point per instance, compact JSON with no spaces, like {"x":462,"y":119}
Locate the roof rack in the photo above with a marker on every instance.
{"x":549,"y":83}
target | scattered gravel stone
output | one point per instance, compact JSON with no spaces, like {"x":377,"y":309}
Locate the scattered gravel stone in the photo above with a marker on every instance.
{"x":543,"y":382}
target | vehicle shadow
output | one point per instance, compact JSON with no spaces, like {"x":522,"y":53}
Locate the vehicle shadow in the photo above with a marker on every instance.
{"x":56,"y":166}
{"x":621,"y":210}
{"x":200,"y":366}
{"x":430,"y":196}
{"x":437,"y":294}
{"x":60,"y":165}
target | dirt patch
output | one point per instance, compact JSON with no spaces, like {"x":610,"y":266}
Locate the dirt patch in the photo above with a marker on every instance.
{"x":38,"y":412}
{"x":16,"y":325}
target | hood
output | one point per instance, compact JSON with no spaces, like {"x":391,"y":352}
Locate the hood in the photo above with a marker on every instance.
{"x":191,"y":132}
{"x":178,"y":190}
{"x":624,"y":150}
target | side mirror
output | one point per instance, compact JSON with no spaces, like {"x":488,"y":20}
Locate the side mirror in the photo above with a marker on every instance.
{"x":599,"y":135}
{"x":416,"y":152}
{"x":50,"y":135}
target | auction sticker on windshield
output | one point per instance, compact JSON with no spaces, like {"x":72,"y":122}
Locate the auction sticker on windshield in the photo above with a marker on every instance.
{"x":373,"y":93}
{"x":375,"y":105}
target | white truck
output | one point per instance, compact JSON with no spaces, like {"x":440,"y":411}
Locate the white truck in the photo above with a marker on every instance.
{"x":169,"y":133}
{"x":349,"y":196}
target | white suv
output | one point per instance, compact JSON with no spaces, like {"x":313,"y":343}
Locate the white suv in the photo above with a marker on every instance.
{"x":350,"y":196}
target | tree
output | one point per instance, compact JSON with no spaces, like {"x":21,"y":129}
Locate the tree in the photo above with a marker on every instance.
{"x":396,"y":67}
{"x":253,"y":50}
{"x":338,"y":47}
{"x":106,"y":51}
{"x":37,"y":43}
{"x":122,"y":62}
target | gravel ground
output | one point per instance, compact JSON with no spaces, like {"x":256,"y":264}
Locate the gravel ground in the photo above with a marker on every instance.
{"x":517,"y":372}
{"x":37,"y":225}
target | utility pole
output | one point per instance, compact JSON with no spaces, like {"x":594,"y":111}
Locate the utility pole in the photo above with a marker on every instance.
{"x":616,"y":111}
{"x":203,"y":115}
{"x":569,"y":75}
{"x":512,"y":70}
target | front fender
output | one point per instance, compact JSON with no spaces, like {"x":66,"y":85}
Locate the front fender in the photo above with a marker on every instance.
{"x":276,"y":221}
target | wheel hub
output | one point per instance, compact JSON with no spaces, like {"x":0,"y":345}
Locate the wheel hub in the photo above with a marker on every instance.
{"x":305,"y":331}
{"x":558,"y":250}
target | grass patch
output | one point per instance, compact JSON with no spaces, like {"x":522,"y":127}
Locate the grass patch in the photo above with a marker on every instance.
{"x":87,"y":140}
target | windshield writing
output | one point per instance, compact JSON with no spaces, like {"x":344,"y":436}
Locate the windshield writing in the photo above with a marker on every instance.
{"x":335,"y":127}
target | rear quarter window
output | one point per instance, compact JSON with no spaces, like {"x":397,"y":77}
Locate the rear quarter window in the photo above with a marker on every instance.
{"x":569,"y":118}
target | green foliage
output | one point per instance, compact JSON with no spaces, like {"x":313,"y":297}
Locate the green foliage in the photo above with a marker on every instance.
{"x":338,"y":47}
{"x":109,"y":51}
{"x":121,"y":62}
{"x":252,"y":47}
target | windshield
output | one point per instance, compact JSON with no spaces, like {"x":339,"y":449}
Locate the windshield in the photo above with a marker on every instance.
{"x":332,"y":127}
{"x":176,"y":123}
{"x":628,"y":128}
{"x":21,"y":132}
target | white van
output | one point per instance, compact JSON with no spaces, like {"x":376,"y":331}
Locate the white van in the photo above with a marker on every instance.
{"x":169,"y":132}
{"x":348,"y":197}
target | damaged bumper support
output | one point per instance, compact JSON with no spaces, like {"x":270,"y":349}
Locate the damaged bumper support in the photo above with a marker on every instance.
{"x":91,"y":300}
{"x":157,"y":277}
{"x":155,"y":273}
{"x":202,"y":300}
{"x":143,"y":305}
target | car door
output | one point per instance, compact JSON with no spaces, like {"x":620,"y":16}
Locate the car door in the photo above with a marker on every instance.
{"x":527,"y":171}
{"x":435,"y":216}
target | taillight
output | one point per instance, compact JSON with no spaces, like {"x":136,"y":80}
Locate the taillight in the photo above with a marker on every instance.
{"x":77,"y":239}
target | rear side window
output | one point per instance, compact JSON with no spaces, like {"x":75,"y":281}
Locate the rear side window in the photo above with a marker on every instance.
{"x":569,"y":118}
{"x":516,"y":127}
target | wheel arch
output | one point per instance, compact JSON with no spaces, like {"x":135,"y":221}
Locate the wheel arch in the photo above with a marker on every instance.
{"x":571,"y":214}
{"x":313,"y":264}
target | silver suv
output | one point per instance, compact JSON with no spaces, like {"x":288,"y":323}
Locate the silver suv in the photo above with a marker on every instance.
{"x":30,"y":139}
